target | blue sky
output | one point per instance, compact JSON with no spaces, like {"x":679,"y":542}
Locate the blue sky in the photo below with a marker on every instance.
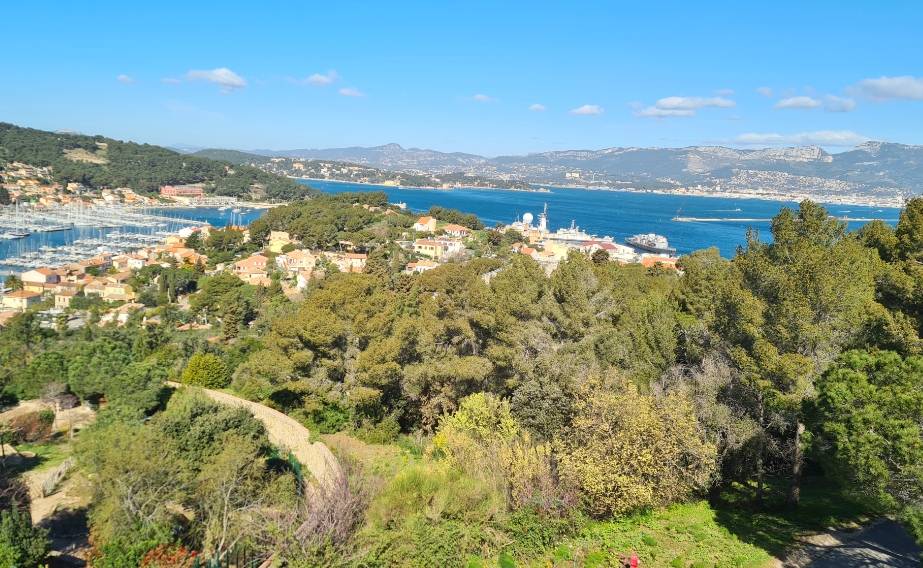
{"x":484,"y":77}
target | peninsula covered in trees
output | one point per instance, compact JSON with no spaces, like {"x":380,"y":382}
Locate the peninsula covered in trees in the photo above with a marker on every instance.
{"x":98,"y":162}
{"x":360,"y":173}
{"x":487,"y":410}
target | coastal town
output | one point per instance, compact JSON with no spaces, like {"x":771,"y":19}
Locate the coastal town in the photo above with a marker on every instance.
{"x":61,"y":293}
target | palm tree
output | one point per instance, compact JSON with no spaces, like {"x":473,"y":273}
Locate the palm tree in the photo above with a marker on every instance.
{"x":13,"y":282}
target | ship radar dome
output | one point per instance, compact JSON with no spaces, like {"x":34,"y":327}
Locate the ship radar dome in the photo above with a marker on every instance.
{"x":527,"y":218}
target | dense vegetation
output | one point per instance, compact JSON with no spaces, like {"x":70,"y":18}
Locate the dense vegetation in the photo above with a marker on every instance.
{"x":234,"y":156}
{"x":487,"y":412}
{"x":324,"y":222}
{"x":448,"y":215}
{"x":358,"y":172}
{"x":97,"y":162}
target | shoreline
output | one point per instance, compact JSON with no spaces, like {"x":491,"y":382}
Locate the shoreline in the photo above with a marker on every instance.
{"x":794,"y":198}
{"x":782,"y":198}
{"x":247,"y":204}
{"x":415,"y":187}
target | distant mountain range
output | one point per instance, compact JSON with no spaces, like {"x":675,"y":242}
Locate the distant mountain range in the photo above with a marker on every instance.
{"x":869,"y":167}
{"x":389,"y":156}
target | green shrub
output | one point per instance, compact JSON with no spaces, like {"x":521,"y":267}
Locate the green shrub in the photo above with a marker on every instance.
{"x":506,"y":561}
{"x":322,"y":416}
{"x":21,"y":544}
{"x":431,"y":514}
{"x":532,"y":533}
{"x":436,"y":491}
{"x":206,"y":370}
{"x":484,"y":440}
{"x":383,"y":432}
{"x":623,"y":461}
{"x":424,"y":542}
{"x":912,"y":518}
{"x":128,"y":549}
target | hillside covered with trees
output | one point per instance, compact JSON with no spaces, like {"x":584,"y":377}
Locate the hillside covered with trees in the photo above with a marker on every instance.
{"x":359,"y":172}
{"x":97,"y":162}
{"x":488,"y":413}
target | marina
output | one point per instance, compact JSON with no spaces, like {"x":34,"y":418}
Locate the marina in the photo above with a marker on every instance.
{"x":35,"y":237}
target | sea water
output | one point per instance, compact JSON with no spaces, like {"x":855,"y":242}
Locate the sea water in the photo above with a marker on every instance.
{"x":618,"y":214}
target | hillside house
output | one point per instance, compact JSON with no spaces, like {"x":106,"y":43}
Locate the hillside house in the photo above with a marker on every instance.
{"x":296,"y":261}
{"x":118,"y":292}
{"x":39,"y":280}
{"x":651,"y":260}
{"x":95,"y":287}
{"x":458,"y":231}
{"x":21,"y":300}
{"x":420,"y":266}
{"x":438,"y":249}
{"x":62,"y":299}
{"x":347,"y":261}
{"x":425,"y":224}
{"x":253,"y":269}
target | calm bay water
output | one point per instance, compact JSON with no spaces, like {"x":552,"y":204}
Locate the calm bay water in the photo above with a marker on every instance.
{"x":618,"y":214}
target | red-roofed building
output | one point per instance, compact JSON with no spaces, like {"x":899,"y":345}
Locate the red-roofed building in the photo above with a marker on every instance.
{"x":649,"y":260}
{"x":425,"y":224}
{"x":348,"y":261}
{"x":252,"y":269}
{"x":456,"y":230}
{"x":39,"y":280}
{"x":21,"y":300}
{"x":189,"y":191}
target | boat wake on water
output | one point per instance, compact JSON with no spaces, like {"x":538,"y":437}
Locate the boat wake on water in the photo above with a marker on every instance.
{"x":719,"y":220}
{"x":758,"y":220}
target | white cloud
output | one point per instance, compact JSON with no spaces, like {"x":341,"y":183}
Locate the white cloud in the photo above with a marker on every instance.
{"x":655,"y":112}
{"x":817,"y":138}
{"x":693,"y":103}
{"x":683,"y":106}
{"x":125,"y":79}
{"x":537,"y":107}
{"x":587,"y":110}
{"x":882,"y":88}
{"x":351,"y":92}
{"x":322,"y":79}
{"x":765,"y":91}
{"x":222,"y":76}
{"x":833,"y":103}
{"x":798,"y":102}
{"x":724,"y":92}
{"x":482,"y":98}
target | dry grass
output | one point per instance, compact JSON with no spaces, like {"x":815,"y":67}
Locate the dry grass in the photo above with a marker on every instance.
{"x":81,"y":155}
{"x":378,"y":460}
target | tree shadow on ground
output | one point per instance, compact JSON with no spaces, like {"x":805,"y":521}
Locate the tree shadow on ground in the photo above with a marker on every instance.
{"x":776,"y":527}
{"x":69,"y":531}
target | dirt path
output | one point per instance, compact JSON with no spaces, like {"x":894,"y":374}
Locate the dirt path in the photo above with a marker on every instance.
{"x":882,"y":543}
{"x":285,"y":432}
